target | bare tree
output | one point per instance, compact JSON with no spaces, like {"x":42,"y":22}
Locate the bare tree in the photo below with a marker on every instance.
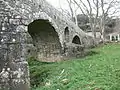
{"x":107,"y":7}
{"x":71,"y":9}
{"x":72,"y":12}
{"x":88,"y":9}
{"x":97,"y":11}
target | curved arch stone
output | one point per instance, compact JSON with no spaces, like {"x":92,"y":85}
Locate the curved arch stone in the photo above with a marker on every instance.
{"x":66,"y":33}
{"x":76,"y":40}
{"x":46,"y":40}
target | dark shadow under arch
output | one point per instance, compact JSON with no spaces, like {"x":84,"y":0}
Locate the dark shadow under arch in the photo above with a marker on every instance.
{"x":45,"y":39}
{"x":66,"y":32}
{"x":76,"y":40}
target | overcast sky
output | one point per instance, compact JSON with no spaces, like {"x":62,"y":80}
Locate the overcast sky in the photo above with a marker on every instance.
{"x":64,"y":5}
{"x":60,"y":4}
{"x":57,"y":3}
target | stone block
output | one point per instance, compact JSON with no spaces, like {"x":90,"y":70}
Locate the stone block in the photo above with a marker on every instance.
{"x":19,"y":70}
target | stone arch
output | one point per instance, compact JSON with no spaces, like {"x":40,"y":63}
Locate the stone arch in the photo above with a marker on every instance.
{"x":76,"y":40}
{"x":66,"y":33}
{"x":46,"y":40}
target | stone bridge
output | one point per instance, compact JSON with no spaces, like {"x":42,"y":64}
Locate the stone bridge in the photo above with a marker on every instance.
{"x":30,"y":27}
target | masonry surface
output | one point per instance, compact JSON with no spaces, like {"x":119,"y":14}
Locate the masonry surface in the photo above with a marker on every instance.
{"x":34,"y":27}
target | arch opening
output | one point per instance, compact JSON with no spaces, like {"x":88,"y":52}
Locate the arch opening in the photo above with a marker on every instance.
{"x":66,"y":32}
{"x":76,"y":40}
{"x":45,"y":39}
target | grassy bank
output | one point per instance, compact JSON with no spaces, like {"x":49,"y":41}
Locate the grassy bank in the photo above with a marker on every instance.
{"x":97,"y":72}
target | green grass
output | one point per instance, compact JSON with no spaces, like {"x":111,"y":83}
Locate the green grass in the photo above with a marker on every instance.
{"x":96,"y":72}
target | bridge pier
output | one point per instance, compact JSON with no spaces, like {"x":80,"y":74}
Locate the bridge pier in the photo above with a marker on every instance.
{"x":14,"y":73}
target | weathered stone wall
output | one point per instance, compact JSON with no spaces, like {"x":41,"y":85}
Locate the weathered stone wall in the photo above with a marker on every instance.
{"x":14,"y":73}
{"x":49,"y":40}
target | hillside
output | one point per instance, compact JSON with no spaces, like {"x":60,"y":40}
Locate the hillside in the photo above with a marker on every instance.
{"x":98,"y":71}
